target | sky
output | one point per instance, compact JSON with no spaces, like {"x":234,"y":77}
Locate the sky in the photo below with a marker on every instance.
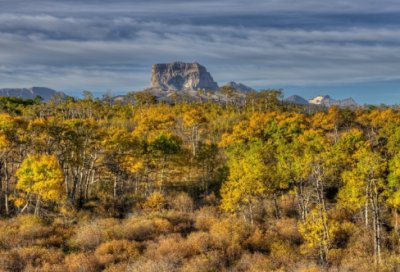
{"x":309,"y":47}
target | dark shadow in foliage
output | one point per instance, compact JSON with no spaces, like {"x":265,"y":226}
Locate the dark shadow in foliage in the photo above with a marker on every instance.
{"x":14,"y":105}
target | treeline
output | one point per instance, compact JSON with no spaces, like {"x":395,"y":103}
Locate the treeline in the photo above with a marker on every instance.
{"x":247,"y":183}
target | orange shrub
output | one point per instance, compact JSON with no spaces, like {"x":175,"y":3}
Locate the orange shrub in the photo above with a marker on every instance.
{"x":136,"y":228}
{"x":162,"y":226}
{"x":171,"y":249}
{"x":117,"y":251}
{"x":205,"y":218}
{"x":229,"y":232}
{"x":88,"y":236}
{"x":199,"y":242}
{"x":182,"y":223}
{"x":288,"y":229}
{"x":197,"y":264}
{"x":182,"y":202}
{"x":258,"y":241}
{"x":20,"y":258}
{"x":162,"y":265}
{"x":254,"y":263}
{"x":82,"y":262}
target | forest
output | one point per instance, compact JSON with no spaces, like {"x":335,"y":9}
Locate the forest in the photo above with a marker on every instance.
{"x":245,"y":183}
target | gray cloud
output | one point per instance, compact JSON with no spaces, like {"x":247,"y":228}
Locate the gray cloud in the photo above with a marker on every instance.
{"x":199,"y":7}
{"x":274,"y":55}
{"x":63,"y":48}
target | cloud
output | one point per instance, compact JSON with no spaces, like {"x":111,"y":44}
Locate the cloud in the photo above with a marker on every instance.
{"x":199,"y":8}
{"x":256,"y":55}
{"x":107,"y":48}
{"x":73,"y":80}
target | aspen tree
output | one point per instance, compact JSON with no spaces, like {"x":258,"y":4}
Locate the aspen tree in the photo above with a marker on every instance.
{"x":40,"y":179}
{"x":363,"y":186}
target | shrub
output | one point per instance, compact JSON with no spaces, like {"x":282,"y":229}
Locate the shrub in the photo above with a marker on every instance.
{"x":90,"y":234}
{"x":117,"y":251}
{"x":136,"y":228}
{"x":182,"y":223}
{"x":288,"y":229}
{"x":20,"y":258}
{"x":182,"y":202}
{"x":199,"y":242}
{"x":258,"y":242}
{"x":163,"y":226}
{"x":150,"y":265}
{"x":254,"y":263}
{"x":171,"y":249}
{"x":205,"y":218}
{"x":229,"y":232}
{"x":197,"y":264}
{"x":82,"y":262}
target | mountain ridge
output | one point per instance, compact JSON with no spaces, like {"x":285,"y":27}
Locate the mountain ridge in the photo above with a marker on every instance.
{"x":30,"y":93}
{"x":328,"y":101}
{"x":322,"y":100}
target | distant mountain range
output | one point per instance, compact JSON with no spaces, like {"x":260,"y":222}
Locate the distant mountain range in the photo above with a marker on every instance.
{"x":30,"y":93}
{"x":325,"y":100}
{"x":168,"y":78}
{"x":46,"y":94}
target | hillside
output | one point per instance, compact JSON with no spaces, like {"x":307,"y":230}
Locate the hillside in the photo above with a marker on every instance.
{"x":253,"y":185}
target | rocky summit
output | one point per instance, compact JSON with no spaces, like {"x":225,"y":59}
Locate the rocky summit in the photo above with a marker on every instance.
{"x":295,"y":99}
{"x":181,"y":76}
{"x":240,"y":87}
{"x":30,"y":93}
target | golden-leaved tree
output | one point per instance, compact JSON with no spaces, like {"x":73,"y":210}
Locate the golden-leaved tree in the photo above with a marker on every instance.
{"x":246,"y":180}
{"x":363,"y":187}
{"x":40,"y":179}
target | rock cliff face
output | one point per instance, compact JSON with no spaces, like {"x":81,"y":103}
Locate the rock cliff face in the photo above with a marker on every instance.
{"x":240,"y":87}
{"x":45,"y":93}
{"x":181,"y":76}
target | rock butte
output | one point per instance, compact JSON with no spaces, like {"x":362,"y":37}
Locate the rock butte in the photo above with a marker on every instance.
{"x":181,"y":76}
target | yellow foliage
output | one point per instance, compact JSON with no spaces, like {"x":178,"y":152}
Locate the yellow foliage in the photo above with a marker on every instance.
{"x":41,"y":176}
{"x":193,"y":117}
{"x":318,"y":232}
{"x":229,"y":232}
{"x":155,"y":202}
